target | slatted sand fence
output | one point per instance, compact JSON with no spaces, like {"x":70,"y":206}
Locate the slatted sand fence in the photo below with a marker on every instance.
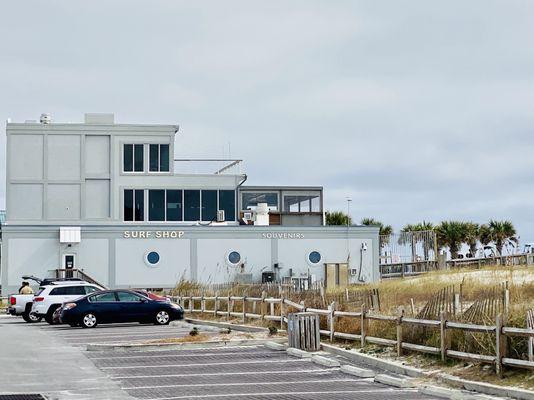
{"x":530,"y":325}
{"x":490,"y":303}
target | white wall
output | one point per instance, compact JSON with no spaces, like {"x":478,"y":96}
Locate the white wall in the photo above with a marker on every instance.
{"x":31,"y":256}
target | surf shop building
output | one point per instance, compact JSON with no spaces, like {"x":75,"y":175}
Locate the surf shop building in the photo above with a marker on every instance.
{"x":111,"y":200}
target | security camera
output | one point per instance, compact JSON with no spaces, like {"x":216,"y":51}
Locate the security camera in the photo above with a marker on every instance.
{"x":364,"y":246}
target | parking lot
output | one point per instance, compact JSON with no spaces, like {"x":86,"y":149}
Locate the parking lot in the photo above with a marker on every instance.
{"x":53,"y":361}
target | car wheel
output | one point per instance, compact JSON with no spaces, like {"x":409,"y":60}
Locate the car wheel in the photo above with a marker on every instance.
{"x":89,"y":320}
{"x":49,"y":317}
{"x":31,"y":318}
{"x":163,"y":318}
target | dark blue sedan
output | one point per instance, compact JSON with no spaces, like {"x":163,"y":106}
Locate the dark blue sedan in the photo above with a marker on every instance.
{"x":119,"y":305}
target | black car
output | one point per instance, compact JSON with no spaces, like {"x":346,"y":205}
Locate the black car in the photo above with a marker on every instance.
{"x":109,"y":306}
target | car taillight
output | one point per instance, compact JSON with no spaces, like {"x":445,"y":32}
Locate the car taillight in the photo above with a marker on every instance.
{"x":69,"y":306}
{"x":12,"y":300}
{"x":36,"y":299}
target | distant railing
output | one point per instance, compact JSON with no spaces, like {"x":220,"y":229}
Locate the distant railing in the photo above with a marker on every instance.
{"x":215,"y":166}
{"x":263,"y":308}
{"x":62,"y":273}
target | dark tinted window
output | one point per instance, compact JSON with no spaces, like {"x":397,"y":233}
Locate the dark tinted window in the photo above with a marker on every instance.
{"x":127,"y":296}
{"x":191,"y":205}
{"x":68,"y":291}
{"x":209,"y":205}
{"x":164,"y":158}
{"x":139,"y":205}
{"x":154,"y":157}
{"x":156,"y":205}
{"x":138,"y":158}
{"x":128,"y":205}
{"x":128,"y":158}
{"x":227,"y":203}
{"x":104,"y":297}
{"x":174,"y":205}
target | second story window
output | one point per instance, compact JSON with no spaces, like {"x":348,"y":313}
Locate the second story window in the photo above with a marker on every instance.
{"x":133,"y":160}
{"x":159,"y":158}
{"x":134,"y":205}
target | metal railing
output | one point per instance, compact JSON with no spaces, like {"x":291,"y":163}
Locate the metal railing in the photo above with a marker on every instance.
{"x":215,"y":166}
{"x":263,"y":308}
{"x":62,"y":273}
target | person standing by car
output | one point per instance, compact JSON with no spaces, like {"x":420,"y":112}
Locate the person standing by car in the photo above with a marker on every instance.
{"x":25,"y":288}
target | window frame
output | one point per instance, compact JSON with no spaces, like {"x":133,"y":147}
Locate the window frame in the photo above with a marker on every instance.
{"x":159,"y":171}
{"x":123,"y":152}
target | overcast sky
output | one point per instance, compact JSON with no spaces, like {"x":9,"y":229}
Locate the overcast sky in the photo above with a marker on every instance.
{"x":415,"y":109}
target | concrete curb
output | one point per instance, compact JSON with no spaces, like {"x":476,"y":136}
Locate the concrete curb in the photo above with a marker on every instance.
{"x":325,"y":361}
{"x":359,"y":372}
{"x":487,"y":388}
{"x":358,"y":357}
{"x":394,"y":381}
{"x":174,"y":346}
{"x":275,"y":346}
{"x":298,"y":353}
{"x":234,"y":327}
{"x":444,"y":393}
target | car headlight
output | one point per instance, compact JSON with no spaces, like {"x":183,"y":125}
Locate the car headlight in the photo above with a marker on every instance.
{"x":177,"y":306}
{"x":69,"y":306}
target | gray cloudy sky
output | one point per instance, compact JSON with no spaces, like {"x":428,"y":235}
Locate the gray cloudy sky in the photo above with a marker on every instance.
{"x":415,"y":109}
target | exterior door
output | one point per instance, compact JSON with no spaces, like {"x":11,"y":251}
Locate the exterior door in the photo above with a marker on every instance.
{"x":336,"y":275}
{"x":68,"y":264}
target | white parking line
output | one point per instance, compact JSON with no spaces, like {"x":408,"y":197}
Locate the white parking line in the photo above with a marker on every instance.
{"x":286,"y":393}
{"x":188,"y":355}
{"x":278,"y":371}
{"x":196,"y":349}
{"x":167,"y":334}
{"x":244,"y":384}
{"x":298,"y":360}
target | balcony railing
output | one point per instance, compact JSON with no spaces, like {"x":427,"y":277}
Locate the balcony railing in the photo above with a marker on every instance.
{"x":215,"y":166}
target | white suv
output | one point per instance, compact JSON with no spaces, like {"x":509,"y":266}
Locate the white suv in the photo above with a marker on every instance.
{"x":50,"y":297}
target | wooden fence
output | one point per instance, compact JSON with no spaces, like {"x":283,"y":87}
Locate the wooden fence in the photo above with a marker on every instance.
{"x":264,"y":308}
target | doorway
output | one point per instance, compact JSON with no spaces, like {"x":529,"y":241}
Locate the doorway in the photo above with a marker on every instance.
{"x":336,"y":275}
{"x":68,"y":264}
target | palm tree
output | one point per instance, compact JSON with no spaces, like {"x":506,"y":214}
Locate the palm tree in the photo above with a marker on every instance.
{"x":484,"y":234}
{"x":451,"y":234}
{"x":337,"y":218}
{"x":472,"y":231}
{"x":385,"y":231}
{"x":502,"y":232}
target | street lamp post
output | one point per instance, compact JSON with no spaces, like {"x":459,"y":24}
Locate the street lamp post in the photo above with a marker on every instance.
{"x":348,"y":211}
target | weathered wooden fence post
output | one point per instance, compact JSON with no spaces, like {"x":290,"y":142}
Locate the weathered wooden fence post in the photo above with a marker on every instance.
{"x":500,"y":344}
{"x":282,"y":313}
{"x":331,"y":319}
{"x":364,"y":324}
{"x":262,"y":305}
{"x":244,"y":308}
{"x":443,"y":335}
{"x":191,"y":304}
{"x":399,"y":332}
{"x":229,"y":306}
{"x":216,"y":304}
{"x":202,"y":304}
{"x":530,"y":325}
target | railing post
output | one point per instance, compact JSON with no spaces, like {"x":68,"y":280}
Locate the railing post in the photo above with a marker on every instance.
{"x":500,"y":344}
{"x":191,"y":304}
{"x":271,"y":307}
{"x":244,"y":308}
{"x":229,"y":307}
{"x":262,"y":305}
{"x":202,"y":304}
{"x":363,"y":325}
{"x":216,"y":304}
{"x":331,"y":319}
{"x":443,"y":335}
{"x":399,"y":332}
{"x":282,"y":313}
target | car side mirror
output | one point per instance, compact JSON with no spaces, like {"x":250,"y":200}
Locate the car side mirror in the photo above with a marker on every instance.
{"x":144,"y":300}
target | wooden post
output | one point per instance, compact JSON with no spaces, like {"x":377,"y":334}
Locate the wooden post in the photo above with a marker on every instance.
{"x":191,"y":304}
{"x":202,"y":304}
{"x":216,"y":304}
{"x":500,"y":344}
{"x":443,"y":335}
{"x":331,"y":320}
{"x":282,"y":314}
{"x":271,"y":306}
{"x":244,"y":308}
{"x":399,"y":332}
{"x":262,"y":312}
{"x":506,"y":301}
{"x":254,"y":307}
{"x":229,"y":308}
{"x":530,"y":325}
{"x":363,"y":325}
{"x":457,"y":308}
{"x":412,"y":306}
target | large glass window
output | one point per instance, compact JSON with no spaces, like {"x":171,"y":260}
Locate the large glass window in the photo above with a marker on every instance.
{"x":209,"y":205}
{"x":250,"y":200}
{"x":159,"y":158}
{"x":103,"y":298}
{"x":134,"y":205}
{"x":156,"y":205}
{"x":174,"y":205}
{"x":302,"y":203}
{"x":133,"y":158}
{"x":192,"y":205}
{"x":129,"y":297}
{"x":227,"y":203}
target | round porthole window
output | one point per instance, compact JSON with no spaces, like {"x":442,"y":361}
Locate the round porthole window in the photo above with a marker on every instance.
{"x":152,"y":258}
{"x":234,"y":257}
{"x":314,"y":257}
